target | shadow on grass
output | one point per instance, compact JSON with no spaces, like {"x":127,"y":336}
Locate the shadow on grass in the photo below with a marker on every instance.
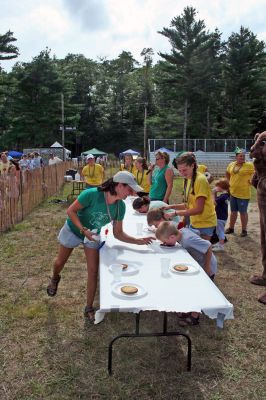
{"x":153,"y":367}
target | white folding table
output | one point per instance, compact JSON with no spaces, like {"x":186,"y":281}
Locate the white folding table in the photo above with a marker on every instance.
{"x":178,"y":292}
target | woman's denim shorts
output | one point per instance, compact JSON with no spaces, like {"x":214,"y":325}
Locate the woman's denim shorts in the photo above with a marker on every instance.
{"x":69,"y":240}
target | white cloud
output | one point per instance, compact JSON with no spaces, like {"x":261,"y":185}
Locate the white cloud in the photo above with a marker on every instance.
{"x":48,"y":21}
{"x":107,"y":27}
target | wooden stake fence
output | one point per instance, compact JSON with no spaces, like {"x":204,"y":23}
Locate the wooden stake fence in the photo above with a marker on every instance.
{"x":20,"y":194}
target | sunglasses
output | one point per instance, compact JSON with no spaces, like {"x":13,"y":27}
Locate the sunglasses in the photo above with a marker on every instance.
{"x":159,"y":158}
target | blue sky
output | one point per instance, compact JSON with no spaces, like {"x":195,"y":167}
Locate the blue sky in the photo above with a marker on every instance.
{"x":104,"y":28}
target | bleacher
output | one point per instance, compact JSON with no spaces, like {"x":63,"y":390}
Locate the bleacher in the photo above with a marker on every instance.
{"x":216,"y":161}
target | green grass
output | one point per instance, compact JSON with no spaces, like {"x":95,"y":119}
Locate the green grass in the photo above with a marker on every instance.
{"x":48,"y":351}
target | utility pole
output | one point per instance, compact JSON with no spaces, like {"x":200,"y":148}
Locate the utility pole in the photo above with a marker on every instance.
{"x":145,"y":130}
{"x":63,"y":124}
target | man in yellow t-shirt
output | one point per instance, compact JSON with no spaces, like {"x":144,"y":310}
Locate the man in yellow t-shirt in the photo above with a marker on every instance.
{"x":239,"y":173}
{"x":92,"y":173}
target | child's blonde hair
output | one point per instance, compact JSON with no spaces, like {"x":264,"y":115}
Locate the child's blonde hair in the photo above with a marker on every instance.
{"x":155,"y":215}
{"x":165,"y":229}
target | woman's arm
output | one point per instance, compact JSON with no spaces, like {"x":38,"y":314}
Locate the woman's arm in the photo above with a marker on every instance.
{"x":72,"y":213}
{"x":181,"y":206}
{"x":124,"y":237}
{"x":200,"y":202}
{"x":149,"y":173}
{"x":169,"y":177}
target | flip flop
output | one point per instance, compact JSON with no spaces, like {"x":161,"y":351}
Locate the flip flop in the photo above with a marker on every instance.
{"x":262,"y":299}
{"x":53,"y":285}
{"x":258,"y":280}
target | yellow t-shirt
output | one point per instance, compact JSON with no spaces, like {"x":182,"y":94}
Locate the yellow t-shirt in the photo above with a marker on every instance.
{"x":202,"y":168}
{"x":202,"y":188}
{"x":93,"y":174}
{"x":142,"y":180}
{"x":132,"y":169}
{"x":240,"y":178}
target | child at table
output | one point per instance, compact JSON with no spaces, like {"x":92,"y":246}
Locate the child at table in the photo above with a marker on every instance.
{"x":156,"y":215}
{"x":200,"y":249}
{"x":221,"y":197}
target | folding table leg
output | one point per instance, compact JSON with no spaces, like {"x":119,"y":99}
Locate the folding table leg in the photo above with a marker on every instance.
{"x":154,"y":334}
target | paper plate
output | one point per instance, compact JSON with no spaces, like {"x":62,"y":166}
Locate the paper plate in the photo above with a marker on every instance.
{"x":116,"y":291}
{"x":132,"y":269}
{"x":170,"y":248}
{"x":192,"y":269}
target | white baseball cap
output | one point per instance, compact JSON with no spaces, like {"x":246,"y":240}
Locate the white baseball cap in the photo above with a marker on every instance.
{"x":129,"y":179}
{"x":89,"y":156}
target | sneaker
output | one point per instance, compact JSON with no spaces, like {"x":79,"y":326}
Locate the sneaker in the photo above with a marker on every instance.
{"x":218,"y":247}
{"x":243,"y":233}
{"x":229,"y":231}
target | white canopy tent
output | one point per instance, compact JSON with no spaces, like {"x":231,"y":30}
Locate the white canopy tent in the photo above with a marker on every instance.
{"x":58,"y":145}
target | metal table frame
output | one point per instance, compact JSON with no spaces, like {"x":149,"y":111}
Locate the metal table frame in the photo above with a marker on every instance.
{"x":137,"y":334}
{"x":77,"y":188}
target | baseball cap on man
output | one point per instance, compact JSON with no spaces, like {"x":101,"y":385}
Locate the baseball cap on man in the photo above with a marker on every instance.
{"x":129,"y":179}
{"x":239,"y":151}
{"x":89,"y":156}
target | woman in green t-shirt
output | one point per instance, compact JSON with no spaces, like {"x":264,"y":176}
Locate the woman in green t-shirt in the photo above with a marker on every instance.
{"x":93,"y":209}
{"x":161,"y":178}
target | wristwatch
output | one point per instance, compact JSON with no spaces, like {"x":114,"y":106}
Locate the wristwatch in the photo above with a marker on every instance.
{"x":83,"y":229}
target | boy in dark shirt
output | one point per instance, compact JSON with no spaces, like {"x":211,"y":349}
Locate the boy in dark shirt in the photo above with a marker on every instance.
{"x":221,"y":199}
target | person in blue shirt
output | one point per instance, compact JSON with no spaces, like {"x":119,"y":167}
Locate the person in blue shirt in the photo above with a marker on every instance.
{"x":221,"y":199}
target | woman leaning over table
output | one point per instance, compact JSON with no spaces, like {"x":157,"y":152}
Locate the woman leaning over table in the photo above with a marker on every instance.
{"x":198,"y":204}
{"x":94,"y":208}
{"x":141,"y":174}
{"x":161,"y":178}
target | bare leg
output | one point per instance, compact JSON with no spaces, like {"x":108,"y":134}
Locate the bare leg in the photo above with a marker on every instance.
{"x":244,"y":220}
{"x":59,"y":263}
{"x":92,"y":257}
{"x":233,"y":218}
{"x":61,"y":259}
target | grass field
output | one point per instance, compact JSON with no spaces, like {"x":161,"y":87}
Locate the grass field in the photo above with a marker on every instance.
{"x":48,"y":351}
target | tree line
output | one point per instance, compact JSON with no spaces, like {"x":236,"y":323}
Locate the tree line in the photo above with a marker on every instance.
{"x":203,"y":88}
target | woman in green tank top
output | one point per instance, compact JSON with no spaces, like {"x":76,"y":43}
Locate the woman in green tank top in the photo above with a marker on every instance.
{"x":161,"y":178}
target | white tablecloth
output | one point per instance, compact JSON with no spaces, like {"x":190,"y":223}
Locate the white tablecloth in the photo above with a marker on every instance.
{"x":176,"y":293}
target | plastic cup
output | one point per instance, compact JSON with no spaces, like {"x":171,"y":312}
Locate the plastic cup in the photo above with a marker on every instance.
{"x":165,"y":263}
{"x":117,"y":272}
{"x":139,"y":228}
